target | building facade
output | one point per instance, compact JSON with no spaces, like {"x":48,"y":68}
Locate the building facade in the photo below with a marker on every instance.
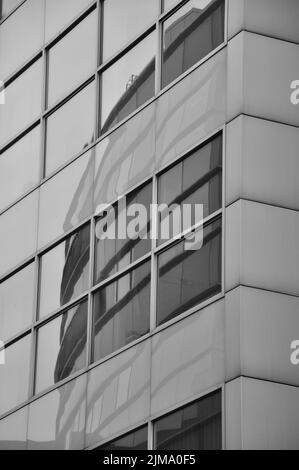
{"x":141,"y":343}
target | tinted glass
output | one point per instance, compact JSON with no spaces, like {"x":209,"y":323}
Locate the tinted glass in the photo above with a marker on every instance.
{"x":17,"y":302}
{"x":187,"y":277}
{"x":136,"y":440}
{"x":64,"y":272}
{"x":60,"y":13}
{"x":15,"y":49}
{"x":121,"y":311}
{"x":23,"y":102}
{"x":128,"y":18}
{"x":118,"y":250}
{"x":194,"y":427}
{"x":128,"y":83}
{"x":14,"y":374}
{"x":195,"y":180}
{"x":70,"y":129}
{"x":6,"y":6}
{"x":189,"y":34}
{"x":72,"y":59}
{"x":61,"y":347}
{"x":19,"y":167}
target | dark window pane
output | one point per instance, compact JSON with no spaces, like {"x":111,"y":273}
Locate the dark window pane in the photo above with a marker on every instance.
{"x":128,"y":83}
{"x":61,"y":347}
{"x":64,"y":272}
{"x":115,"y":253}
{"x":187,"y":276}
{"x":136,"y":440}
{"x":124,"y":20}
{"x":190,"y":34}
{"x":195,"y":180}
{"x":122,"y":311}
{"x":194,"y":427}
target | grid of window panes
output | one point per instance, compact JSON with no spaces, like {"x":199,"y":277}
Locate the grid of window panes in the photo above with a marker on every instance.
{"x":84,"y":67}
{"x":195,"y":426}
{"x":90,"y":295}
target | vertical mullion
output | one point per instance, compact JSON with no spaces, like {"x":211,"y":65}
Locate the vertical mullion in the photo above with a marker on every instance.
{"x":158,"y":74}
{"x":33,"y":329}
{"x":89,"y":340}
{"x":42,"y":119}
{"x":98,"y":62}
{"x":150,"y":436}
{"x":153,"y":235}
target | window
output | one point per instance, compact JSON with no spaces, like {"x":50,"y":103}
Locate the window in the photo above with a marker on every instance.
{"x":61,"y":347}
{"x":168,"y":4}
{"x":117,"y":252}
{"x":22,"y":102}
{"x":72,"y":59}
{"x":6,"y":6}
{"x":17,"y":302}
{"x":70,"y":129}
{"x":187,"y":277}
{"x":135,"y":440}
{"x":190,"y":34}
{"x":121,"y":311}
{"x":24,"y":156}
{"x":128,"y":83}
{"x":123,"y":21}
{"x":193,"y":427}
{"x":64,"y":272}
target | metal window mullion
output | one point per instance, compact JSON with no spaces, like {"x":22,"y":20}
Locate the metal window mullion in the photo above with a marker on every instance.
{"x":90,"y":294}
{"x":150,"y":436}
{"x":42,"y":118}
{"x":153,"y":235}
{"x":33,"y":329}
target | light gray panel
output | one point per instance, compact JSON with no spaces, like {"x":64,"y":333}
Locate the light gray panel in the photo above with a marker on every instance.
{"x":13,"y":431}
{"x":191,"y":110}
{"x":118,"y":394}
{"x":57,"y":420}
{"x":188,"y":358}
{"x":262,"y":162}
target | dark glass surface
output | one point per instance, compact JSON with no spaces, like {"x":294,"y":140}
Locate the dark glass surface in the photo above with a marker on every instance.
{"x":187,"y":277}
{"x":135,"y":440}
{"x":121,"y":311}
{"x":61,"y":347}
{"x":112,"y":255}
{"x":193,"y":427}
{"x":195,"y":180}
{"x":189,"y":35}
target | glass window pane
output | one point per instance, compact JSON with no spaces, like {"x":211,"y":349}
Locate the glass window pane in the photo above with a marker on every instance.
{"x":61,"y":347}
{"x":19,"y":167}
{"x":121,"y":311}
{"x":17,"y":302}
{"x":128,"y":83}
{"x":72,"y":59}
{"x":59,"y":13}
{"x":70,"y":129}
{"x":128,"y":19}
{"x":169,"y":4}
{"x":195,"y":180}
{"x":6,"y":6}
{"x":23,"y":102}
{"x":14,"y":374}
{"x":15,"y":48}
{"x":194,"y":427}
{"x":117,"y":250}
{"x":187,"y":277}
{"x":64,"y":272}
{"x":189,"y":34}
{"x":135,"y":440}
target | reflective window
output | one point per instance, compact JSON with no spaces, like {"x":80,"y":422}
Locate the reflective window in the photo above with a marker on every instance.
{"x":169,"y":4}
{"x":123,"y":21}
{"x":193,"y":427}
{"x":72,"y":59}
{"x":19,"y":167}
{"x":6,"y":6}
{"x":59,"y":13}
{"x":64,"y":272}
{"x":61,"y":347}
{"x":70,"y":129}
{"x":23,"y":102}
{"x":121,"y":311}
{"x":115,"y":246}
{"x":15,"y":50}
{"x":17,"y":302}
{"x":128,"y":83}
{"x":189,"y":34}
{"x":189,"y":276}
{"x":195,"y":180}
{"x":135,"y":440}
{"x":14,"y":374}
